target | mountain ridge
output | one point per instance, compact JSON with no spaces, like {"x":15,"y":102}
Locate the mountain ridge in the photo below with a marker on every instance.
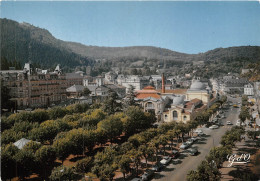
{"x":25,"y":42}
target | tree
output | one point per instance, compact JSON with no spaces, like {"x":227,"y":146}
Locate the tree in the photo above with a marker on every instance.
{"x":146,"y":151}
{"x":130,"y":97}
{"x":112,"y":126}
{"x":137,"y":120}
{"x":163,"y":140}
{"x":155,"y":145}
{"x":8,"y":162}
{"x":219,"y":155}
{"x":102,"y":162}
{"x":86,"y":92}
{"x":45,"y":157}
{"x":124,"y":164}
{"x":63,"y":148}
{"x":64,"y":173}
{"x":110,"y":105}
{"x":84,"y":166}
{"x":244,"y":114}
{"x":135,"y":156}
{"x":26,"y":162}
{"x":171,"y":135}
{"x":5,"y":97}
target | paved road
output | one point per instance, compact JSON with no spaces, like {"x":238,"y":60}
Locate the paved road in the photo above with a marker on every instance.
{"x":178,"y":171}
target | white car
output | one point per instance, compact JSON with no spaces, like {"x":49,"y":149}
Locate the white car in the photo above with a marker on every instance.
{"x":189,"y":141}
{"x":229,"y":123}
{"x":238,"y":123}
{"x":184,"y":146}
{"x":165,"y":160}
{"x":213,"y":127}
{"x":195,"y":138}
{"x":198,"y":131}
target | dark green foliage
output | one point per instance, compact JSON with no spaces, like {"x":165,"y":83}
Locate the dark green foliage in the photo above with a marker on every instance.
{"x":84,"y":165}
{"x":64,"y":173}
{"x":8,"y":163}
{"x":23,"y":42}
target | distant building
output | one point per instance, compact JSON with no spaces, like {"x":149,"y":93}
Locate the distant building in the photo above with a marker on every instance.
{"x":199,"y":91}
{"x":249,"y":89}
{"x":75,"y":91}
{"x":244,"y":71}
{"x":32,"y":88}
{"x":75,"y":78}
{"x":137,"y":82}
{"x":235,"y":86}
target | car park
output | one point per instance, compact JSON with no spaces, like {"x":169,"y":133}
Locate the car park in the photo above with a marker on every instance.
{"x":147,"y":174}
{"x":175,"y":154}
{"x":165,"y":160}
{"x":193,"y":151}
{"x":229,"y":123}
{"x":157,"y":167}
{"x":213,"y":127}
{"x":184,"y":146}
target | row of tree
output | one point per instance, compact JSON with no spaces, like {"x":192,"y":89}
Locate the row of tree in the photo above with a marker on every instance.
{"x":144,"y":145}
{"x":209,"y":168}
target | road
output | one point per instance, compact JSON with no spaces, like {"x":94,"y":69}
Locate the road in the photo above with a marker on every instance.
{"x":178,"y":170}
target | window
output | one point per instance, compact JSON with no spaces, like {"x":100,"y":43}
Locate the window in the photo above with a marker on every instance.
{"x":165,"y":117}
{"x":184,"y":118}
{"x":175,"y":115}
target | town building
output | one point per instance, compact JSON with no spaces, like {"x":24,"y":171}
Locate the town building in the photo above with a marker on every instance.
{"x":136,"y":81}
{"x":32,"y":87}
{"x":75,"y":78}
{"x":249,"y":89}
{"x":199,"y":91}
{"x":75,"y":91}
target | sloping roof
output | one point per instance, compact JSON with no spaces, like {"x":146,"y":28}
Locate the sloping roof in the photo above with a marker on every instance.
{"x":145,"y":95}
{"x":174,"y":91}
{"x":73,"y":76}
{"x":21,"y":143}
{"x":193,"y":101}
{"x":75,"y":88}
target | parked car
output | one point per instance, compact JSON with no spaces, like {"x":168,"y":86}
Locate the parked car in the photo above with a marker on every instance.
{"x":198,"y":131}
{"x":147,"y":174}
{"x":189,"y":141}
{"x":193,"y":151}
{"x":238,"y":123}
{"x":136,"y":179}
{"x":174,"y":154}
{"x":184,"y":146}
{"x":195,"y":138}
{"x":213,"y":127}
{"x":229,"y":123}
{"x":165,"y":160}
{"x":157,"y":167}
{"x":201,"y":134}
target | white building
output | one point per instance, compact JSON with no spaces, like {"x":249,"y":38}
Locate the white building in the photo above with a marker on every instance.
{"x":136,"y":81}
{"x":248,"y":89}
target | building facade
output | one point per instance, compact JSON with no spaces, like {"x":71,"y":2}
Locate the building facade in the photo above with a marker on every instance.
{"x":32,"y":88}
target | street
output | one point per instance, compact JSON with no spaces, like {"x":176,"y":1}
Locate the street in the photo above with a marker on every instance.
{"x":178,"y":169}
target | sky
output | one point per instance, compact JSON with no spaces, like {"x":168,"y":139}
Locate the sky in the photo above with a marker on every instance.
{"x":188,"y":26}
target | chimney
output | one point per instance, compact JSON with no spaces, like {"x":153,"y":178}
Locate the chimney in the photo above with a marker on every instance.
{"x":163,"y":85}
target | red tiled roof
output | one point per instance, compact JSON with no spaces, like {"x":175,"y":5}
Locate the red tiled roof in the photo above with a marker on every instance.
{"x":174,"y":91}
{"x":145,"y":95}
{"x":149,"y":88}
{"x":193,"y":101}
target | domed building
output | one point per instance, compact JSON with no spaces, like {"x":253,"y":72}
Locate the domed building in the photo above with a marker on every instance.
{"x":198,"y":90}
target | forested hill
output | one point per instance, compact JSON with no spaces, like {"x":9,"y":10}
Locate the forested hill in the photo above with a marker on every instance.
{"x":24,"y":42}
